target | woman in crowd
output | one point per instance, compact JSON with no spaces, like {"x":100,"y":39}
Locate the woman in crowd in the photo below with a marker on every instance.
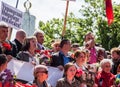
{"x":115,"y":54}
{"x":105,"y":78}
{"x":80,"y":59}
{"x":68,"y":80}
{"x":41,"y":75}
{"x":55,"y":46}
{"x":86,"y":71}
{"x":3,"y":63}
{"x":28,"y":51}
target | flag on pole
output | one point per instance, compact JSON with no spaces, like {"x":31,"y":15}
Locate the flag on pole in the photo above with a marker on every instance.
{"x":109,"y":11}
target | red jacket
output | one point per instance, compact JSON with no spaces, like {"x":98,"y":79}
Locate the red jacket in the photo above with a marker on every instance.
{"x":104,"y":79}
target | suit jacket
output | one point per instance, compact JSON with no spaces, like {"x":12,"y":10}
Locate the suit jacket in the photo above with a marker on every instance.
{"x":18,"y":45}
{"x":58,"y":59}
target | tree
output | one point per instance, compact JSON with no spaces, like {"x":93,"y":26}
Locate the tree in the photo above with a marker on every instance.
{"x":93,"y":19}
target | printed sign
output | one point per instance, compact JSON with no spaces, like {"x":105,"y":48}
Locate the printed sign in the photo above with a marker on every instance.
{"x":11,"y":15}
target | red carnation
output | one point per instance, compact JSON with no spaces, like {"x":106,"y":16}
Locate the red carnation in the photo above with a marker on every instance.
{"x":79,"y":73}
{"x":37,"y":51}
{"x":6,"y":46}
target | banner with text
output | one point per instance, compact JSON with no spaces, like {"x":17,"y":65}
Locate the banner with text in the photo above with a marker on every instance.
{"x":24,"y":71}
{"x":11,"y":15}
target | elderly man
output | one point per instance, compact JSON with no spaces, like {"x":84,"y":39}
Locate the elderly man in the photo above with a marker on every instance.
{"x":6,"y":47}
{"x":40,"y":39}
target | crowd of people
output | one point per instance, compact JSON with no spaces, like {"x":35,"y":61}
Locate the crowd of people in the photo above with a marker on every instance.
{"x":89,"y":65}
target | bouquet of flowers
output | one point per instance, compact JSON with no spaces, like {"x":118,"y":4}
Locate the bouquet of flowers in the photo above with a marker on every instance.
{"x":6,"y":79}
{"x":43,"y":57}
{"x":86,"y":77}
{"x":6,"y":46}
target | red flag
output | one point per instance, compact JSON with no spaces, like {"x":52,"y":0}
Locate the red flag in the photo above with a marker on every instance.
{"x":109,"y":11}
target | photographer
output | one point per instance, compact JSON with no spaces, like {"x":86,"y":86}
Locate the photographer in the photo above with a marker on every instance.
{"x":97,"y":53}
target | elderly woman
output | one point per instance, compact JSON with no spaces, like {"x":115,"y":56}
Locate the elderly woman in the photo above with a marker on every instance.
{"x":28,"y":51}
{"x":41,"y":75}
{"x":3,"y":63}
{"x":69,"y":79}
{"x":105,"y":78}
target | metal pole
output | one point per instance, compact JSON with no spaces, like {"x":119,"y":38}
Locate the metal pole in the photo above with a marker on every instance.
{"x":17,"y":3}
{"x":65,"y":19}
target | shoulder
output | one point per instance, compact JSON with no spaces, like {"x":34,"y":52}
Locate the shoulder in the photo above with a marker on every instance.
{"x":99,"y":48}
{"x":61,"y":79}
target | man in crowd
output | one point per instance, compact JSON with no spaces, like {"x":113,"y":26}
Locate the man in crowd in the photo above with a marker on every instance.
{"x":62,"y":57}
{"x":40,"y":39}
{"x":19,"y":39}
{"x":96,"y":53}
{"x":6,"y":47}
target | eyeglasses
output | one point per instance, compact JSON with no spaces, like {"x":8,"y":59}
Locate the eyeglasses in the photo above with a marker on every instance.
{"x":46,"y":72}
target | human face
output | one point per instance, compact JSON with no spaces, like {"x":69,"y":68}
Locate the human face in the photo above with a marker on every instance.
{"x":56,"y":47}
{"x":3,"y":67}
{"x":33,"y":44}
{"x":89,"y":41}
{"x":71,"y":72}
{"x":115,"y":55}
{"x":40,"y":38}
{"x":89,"y":37}
{"x":42,"y":75}
{"x":106,"y":67}
{"x":23,"y":38}
{"x":3,"y":34}
{"x":81,"y":58}
{"x":67,"y":46}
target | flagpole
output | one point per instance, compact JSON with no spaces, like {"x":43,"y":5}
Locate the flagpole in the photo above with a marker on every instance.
{"x":65,"y":19}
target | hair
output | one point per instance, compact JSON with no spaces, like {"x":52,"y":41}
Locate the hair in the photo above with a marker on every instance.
{"x":20,"y":33}
{"x":39,"y":67}
{"x":75,"y":45}
{"x":104,"y":61}
{"x":37,"y":32}
{"x":89,"y":33}
{"x":78,"y":52}
{"x":3,"y":25}
{"x":67,"y":66}
{"x":55,"y":42}
{"x":26,"y":44}
{"x":116,"y":50}
{"x":3,"y":59}
{"x":63,"y":42}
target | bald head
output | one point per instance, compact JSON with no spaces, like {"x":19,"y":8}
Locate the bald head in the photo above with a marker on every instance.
{"x":20,"y":35}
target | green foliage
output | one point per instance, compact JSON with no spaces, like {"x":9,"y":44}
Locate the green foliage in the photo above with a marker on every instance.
{"x":93,"y":19}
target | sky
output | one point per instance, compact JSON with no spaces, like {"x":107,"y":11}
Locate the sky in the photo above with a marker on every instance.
{"x":45,"y":10}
